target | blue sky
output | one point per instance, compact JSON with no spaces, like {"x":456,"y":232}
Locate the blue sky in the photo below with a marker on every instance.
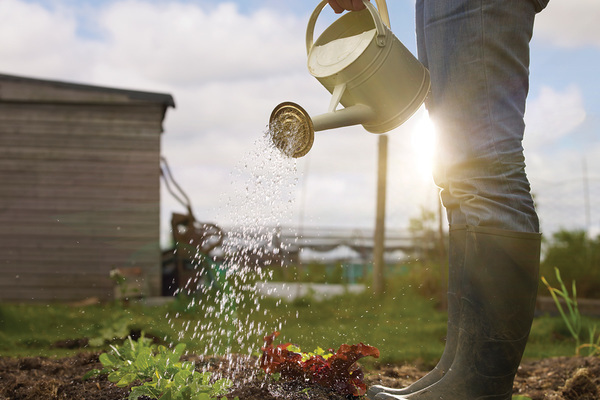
{"x":229,"y":63}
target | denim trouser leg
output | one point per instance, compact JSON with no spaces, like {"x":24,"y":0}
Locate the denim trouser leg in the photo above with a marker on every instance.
{"x":477,"y":52}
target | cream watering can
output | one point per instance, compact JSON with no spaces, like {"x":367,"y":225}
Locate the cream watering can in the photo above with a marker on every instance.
{"x":365,"y":68}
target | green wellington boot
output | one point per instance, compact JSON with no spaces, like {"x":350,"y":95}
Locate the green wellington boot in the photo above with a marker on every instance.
{"x":498,"y":287}
{"x":456,"y":252}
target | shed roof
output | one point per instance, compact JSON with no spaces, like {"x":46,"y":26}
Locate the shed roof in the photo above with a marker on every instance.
{"x":17,"y":88}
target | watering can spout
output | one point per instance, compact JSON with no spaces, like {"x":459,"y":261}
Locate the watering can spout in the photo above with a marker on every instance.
{"x":292,"y":129}
{"x":358,"y":114}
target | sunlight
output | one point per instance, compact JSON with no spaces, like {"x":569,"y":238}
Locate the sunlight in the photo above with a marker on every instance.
{"x":423,"y":143}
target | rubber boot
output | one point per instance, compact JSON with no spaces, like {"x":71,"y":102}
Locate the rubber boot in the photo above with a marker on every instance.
{"x":498,"y":286}
{"x":456,"y":252}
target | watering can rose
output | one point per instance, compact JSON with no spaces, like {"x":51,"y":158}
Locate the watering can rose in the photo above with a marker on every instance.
{"x":337,"y":370}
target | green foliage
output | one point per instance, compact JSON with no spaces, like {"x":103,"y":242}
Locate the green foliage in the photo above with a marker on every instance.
{"x":578,"y":258}
{"x":426,"y":278}
{"x":424,"y":224}
{"x":113,"y":328}
{"x":306,"y":356}
{"x":159,"y":371}
{"x":424,"y":230}
{"x":572,"y":319}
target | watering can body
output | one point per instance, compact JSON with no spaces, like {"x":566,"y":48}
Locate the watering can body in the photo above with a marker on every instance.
{"x":379,"y":83}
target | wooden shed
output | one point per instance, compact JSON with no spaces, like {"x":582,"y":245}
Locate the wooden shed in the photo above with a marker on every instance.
{"x":79,"y":188}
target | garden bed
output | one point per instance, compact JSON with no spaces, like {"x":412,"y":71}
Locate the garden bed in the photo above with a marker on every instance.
{"x":563,"y":378}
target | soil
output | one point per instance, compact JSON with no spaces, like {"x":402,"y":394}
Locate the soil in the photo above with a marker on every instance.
{"x":564,"y":378}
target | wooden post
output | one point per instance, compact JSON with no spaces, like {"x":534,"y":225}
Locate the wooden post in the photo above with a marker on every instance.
{"x":444,"y":267}
{"x":379,"y":239}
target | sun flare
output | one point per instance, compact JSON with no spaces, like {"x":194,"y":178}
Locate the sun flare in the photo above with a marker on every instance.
{"x":423,"y":144}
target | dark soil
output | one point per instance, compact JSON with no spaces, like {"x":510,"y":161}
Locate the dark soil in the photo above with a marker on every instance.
{"x":35,"y":378}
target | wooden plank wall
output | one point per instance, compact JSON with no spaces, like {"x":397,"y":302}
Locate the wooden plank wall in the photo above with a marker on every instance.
{"x":79,"y":195}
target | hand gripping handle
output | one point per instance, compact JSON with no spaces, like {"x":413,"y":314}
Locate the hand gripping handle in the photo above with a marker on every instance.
{"x":310,"y":29}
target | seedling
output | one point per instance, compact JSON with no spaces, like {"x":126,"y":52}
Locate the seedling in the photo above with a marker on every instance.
{"x":336,"y":369}
{"x":159,"y":371}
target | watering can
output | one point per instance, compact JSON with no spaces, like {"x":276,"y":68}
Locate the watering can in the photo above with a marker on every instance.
{"x":365,"y":68}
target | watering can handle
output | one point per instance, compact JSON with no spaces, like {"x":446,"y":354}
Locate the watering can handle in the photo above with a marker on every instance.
{"x":310,"y":29}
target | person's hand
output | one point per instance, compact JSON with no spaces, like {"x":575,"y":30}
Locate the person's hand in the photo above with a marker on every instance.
{"x":351,"y":5}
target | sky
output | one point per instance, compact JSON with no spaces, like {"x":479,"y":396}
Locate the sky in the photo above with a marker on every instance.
{"x":228,"y":63}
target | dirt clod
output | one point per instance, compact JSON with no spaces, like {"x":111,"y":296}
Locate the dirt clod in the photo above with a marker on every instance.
{"x":581,"y":386}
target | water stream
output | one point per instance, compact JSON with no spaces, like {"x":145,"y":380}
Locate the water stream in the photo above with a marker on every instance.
{"x":227,"y":312}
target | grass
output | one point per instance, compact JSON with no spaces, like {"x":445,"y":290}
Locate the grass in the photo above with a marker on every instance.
{"x":405,"y":326}
{"x":31,"y":329}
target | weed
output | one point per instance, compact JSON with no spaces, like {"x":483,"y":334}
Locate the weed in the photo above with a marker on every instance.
{"x":573,"y":319}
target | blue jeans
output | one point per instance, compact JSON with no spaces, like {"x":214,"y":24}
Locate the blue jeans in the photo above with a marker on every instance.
{"x":477,"y":52}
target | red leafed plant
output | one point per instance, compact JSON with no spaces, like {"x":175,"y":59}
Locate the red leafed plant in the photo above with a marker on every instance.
{"x":337,"y":370}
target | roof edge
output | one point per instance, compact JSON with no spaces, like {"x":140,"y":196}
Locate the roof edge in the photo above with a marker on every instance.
{"x":161,"y":98}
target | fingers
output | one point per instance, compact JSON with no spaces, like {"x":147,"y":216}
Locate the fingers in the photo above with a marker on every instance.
{"x":336,"y":7}
{"x":350,"y":5}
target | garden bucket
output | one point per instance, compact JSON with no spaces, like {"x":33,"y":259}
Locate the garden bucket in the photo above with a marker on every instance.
{"x":377,"y":80}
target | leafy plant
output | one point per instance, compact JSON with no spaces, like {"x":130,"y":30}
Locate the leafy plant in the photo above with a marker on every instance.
{"x":160,"y":372}
{"x":111,"y":329}
{"x":337,"y":370}
{"x":573,"y":319}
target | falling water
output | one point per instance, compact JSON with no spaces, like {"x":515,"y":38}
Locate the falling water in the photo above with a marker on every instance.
{"x":260,"y":204}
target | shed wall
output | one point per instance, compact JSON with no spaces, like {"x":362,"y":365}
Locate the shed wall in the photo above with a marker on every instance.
{"x":79,"y":196}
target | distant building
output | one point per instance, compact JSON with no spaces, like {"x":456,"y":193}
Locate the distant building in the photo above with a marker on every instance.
{"x":79,"y":188}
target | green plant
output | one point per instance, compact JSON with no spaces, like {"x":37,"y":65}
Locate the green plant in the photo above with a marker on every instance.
{"x":336,"y":369}
{"x":573,"y":319}
{"x":593,"y":346}
{"x":111,"y":329}
{"x":159,"y":371}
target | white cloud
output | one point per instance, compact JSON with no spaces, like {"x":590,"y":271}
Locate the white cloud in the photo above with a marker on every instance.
{"x":41,"y":42}
{"x":185,"y":45}
{"x":570,"y":23}
{"x":554,"y":164}
{"x":558,"y":182}
{"x":552,"y":115}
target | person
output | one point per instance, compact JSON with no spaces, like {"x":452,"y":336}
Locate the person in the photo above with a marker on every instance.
{"x":477,"y":53}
